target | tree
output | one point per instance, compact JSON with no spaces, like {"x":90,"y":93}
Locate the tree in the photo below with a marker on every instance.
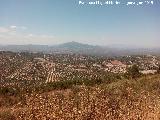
{"x":133,"y":72}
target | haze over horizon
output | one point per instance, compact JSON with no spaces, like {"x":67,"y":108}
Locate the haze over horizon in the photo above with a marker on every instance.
{"x":50,"y":22}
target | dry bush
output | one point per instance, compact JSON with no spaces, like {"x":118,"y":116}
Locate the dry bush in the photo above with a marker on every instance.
{"x":6,"y":115}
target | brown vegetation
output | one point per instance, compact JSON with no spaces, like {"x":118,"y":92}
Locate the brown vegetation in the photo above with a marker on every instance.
{"x":122,"y":100}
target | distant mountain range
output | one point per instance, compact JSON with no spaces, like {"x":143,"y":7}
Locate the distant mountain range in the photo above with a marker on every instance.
{"x":75,"y":47}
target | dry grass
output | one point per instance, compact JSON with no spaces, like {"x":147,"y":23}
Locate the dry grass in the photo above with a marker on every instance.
{"x":123,"y":100}
{"x":5,"y":114}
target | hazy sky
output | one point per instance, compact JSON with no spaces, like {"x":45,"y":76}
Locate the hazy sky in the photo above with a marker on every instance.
{"x":58,"y":21}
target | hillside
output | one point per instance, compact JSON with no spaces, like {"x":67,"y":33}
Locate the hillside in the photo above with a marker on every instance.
{"x":76,"y":47}
{"x":122,"y":100}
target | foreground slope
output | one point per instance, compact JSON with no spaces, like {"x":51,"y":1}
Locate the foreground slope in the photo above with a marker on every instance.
{"x":122,"y":100}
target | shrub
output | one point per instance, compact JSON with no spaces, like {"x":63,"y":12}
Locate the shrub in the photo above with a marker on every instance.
{"x":133,"y":72}
{"x":6,"y":115}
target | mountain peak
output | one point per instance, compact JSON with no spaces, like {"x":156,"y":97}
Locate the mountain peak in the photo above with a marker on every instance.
{"x":75,"y":46}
